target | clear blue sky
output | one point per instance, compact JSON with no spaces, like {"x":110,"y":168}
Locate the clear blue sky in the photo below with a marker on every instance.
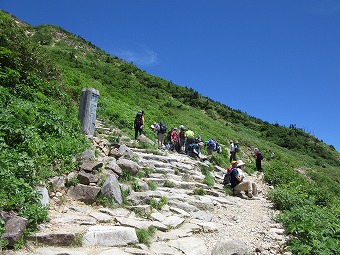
{"x":277,"y":60}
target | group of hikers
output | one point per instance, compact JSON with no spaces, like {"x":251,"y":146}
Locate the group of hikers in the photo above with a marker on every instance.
{"x":184,"y":141}
{"x":178,"y":139}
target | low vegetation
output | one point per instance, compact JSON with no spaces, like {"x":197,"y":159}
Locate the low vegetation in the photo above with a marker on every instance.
{"x":41,"y":79}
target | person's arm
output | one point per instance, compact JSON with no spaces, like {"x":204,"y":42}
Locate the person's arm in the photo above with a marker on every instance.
{"x":239,"y":178}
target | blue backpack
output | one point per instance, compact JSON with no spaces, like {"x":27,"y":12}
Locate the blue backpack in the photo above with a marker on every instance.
{"x":211,"y":145}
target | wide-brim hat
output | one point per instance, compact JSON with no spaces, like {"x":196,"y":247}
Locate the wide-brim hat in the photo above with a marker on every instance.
{"x":234,"y":163}
{"x":240,"y":163}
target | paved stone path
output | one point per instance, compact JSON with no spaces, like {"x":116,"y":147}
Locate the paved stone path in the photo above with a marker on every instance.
{"x":188,"y":224}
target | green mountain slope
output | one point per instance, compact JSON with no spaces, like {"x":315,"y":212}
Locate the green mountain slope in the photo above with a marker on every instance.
{"x":42,"y":72}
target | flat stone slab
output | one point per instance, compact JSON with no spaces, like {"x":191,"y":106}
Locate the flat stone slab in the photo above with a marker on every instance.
{"x":110,"y":236}
{"x":189,"y":245}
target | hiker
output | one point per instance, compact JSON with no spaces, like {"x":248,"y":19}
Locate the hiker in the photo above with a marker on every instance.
{"x":181,"y":139}
{"x":258,"y":158}
{"x":189,"y":138}
{"x":138,"y":124}
{"x":238,"y":182}
{"x":160,"y":128}
{"x":174,"y":140}
{"x":194,"y":150}
{"x":232,"y":151}
{"x":211,"y":146}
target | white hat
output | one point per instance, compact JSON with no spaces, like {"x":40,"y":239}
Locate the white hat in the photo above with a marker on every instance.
{"x":240,"y":163}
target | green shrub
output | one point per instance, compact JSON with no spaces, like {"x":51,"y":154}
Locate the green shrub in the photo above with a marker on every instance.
{"x":135,"y":186}
{"x":158,"y":203}
{"x":144,"y":235}
{"x":315,"y":230}
{"x":200,"y":192}
{"x":169,"y":184}
{"x":126,"y":175}
{"x":152,"y":185}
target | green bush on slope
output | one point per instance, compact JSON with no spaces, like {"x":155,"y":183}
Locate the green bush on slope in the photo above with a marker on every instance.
{"x":39,"y":130}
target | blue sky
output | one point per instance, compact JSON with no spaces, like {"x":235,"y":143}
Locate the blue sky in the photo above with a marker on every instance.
{"x":276,"y":60}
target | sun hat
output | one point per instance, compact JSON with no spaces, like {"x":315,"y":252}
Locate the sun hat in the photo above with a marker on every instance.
{"x":240,"y":163}
{"x":233,"y":163}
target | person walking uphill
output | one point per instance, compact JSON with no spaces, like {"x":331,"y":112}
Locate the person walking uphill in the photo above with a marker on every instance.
{"x":138,"y":124}
{"x":258,"y":158}
{"x":232,"y":151}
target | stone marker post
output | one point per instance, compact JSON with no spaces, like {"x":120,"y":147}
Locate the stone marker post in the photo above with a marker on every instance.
{"x":87,"y":110}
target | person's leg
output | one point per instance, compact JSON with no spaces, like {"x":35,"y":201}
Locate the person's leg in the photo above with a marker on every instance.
{"x":136,"y":133}
{"x":258,"y":165}
{"x":161,"y":138}
{"x":254,"y":188}
{"x":243,"y":186}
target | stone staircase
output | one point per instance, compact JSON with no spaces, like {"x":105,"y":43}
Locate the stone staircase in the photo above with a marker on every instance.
{"x":187,"y":223}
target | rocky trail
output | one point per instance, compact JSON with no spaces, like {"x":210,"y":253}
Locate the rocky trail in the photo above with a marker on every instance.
{"x":187,"y":223}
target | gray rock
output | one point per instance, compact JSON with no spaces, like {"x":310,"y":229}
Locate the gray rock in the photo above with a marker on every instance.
{"x":14,"y":229}
{"x":84,"y":193}
{"x":125,"y":151}
{"x":183,"y":205}
{"x":57,"y":183}
{"x":101,"y":217}
{"x":57,"y":238}
{"x":112,"y":165}
{"x":43,"y":192}
{"x":90,"y":166}
{"x":202,"y":215}
{"x":87,"y":178}
{"x":173,"y":221}
{"x":189,"y":245}
{"x":144,"y":139}
{"x":110,"y":236}
{"x":140,"y":223}
{"x":230,"y":247}
{"x":162,"y":248}
{"x":111,"y":189}
{"x":129,"y":165}
{"x":119,"y":212}
{"x":87,"y":155}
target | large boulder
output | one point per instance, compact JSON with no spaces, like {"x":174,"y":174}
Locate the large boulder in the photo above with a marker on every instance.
{"x":111,"y":189}
{"x":84,"y":193}
{"x":129,"y":165}
{"x":90,"y":166}
{"x":14,"y":229}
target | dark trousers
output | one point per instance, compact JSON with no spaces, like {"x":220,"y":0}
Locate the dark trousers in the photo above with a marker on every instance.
{"x":232,"y":156}
{"x":258,"y":165}
{"x":138,"y":130}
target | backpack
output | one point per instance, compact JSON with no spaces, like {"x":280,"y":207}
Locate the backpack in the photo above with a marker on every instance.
{"x":168,"y":136}
{"x":211,"y":145}
{"x":218,"y":148}
{"x":227,"y":178}
{"x":139,"y":119}
{"x":162,"y":128}
{"x":259,"y":155}
{"x":236,"y":148}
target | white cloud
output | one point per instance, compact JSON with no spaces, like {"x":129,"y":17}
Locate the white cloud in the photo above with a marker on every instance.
{"x":142,"y":56}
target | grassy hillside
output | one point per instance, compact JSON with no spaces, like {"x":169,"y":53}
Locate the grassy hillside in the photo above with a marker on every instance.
{"x":42,"y":72}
